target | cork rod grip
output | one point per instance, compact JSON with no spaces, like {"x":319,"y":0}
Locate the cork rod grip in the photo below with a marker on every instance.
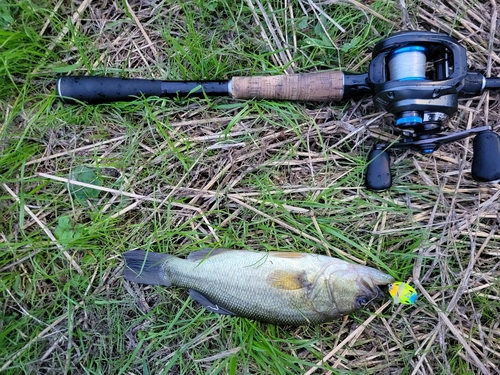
{"x":319,"y":86}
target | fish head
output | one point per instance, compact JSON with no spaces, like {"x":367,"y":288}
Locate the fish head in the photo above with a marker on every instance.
{"x":353,"y":287}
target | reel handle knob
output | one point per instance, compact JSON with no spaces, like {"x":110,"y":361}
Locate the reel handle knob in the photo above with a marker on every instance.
{"x":378,"y":173}
{"x":486,"y":159}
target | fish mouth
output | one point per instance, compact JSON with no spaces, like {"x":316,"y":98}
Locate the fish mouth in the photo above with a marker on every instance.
{"x":369,"y":293}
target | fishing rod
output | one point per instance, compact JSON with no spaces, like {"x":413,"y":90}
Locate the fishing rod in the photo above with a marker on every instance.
{"x":418,"y":76}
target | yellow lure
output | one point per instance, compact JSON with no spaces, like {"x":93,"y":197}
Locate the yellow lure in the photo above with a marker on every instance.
{"x":402,"y":293}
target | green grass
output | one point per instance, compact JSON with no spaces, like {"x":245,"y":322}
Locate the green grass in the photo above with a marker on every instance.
{"x":218,"y":172}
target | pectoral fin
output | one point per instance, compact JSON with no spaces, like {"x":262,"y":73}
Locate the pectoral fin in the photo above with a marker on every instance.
{"x":209,"y":305}
{"x":288,"y":280}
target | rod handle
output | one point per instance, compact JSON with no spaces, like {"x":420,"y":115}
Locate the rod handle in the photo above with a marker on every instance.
{"x":97,"y":89}
{"x":318,"y":86}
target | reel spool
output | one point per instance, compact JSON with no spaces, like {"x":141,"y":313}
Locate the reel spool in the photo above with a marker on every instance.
{"x":418,"y":76}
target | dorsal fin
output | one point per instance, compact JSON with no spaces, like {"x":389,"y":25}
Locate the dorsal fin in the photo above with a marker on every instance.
{"x":205,"y":253}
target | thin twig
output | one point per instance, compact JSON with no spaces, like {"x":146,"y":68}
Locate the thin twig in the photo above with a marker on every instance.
{"x":143,"y":32}
{"x":297,"y":231}
{"x":352,"y":336}
{"x":45,"y":229}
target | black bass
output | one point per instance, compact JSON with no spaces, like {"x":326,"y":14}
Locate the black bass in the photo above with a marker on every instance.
{"x":275,"y":287}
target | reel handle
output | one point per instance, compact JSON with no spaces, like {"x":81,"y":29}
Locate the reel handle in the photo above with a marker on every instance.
{"x":486,"y":159}
{"x":378,"y":173}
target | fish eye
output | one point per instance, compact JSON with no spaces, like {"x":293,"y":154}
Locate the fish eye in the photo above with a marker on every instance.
{"x":362,"y":301}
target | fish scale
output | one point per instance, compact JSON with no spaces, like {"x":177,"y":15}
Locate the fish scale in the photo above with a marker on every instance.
{"x":229,"y":288}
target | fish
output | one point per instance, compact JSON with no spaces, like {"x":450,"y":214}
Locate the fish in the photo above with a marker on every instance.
{"x":283,"y":288}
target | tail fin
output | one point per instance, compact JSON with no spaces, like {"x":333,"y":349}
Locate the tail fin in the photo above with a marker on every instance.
{"x":145,"y":268}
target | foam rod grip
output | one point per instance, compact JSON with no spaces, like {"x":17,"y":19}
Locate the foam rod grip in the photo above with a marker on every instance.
{"x":486,"y":158}
{"x":97,"y":89}
{"x":319,"y":86}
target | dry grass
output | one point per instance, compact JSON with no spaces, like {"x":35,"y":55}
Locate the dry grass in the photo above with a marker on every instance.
{"x":179,"y":175}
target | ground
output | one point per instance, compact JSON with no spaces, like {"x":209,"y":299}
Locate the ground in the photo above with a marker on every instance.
{"x":177,"y":175}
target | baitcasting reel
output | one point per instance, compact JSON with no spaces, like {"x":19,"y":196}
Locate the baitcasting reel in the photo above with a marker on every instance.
{"x":419,"y":76}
